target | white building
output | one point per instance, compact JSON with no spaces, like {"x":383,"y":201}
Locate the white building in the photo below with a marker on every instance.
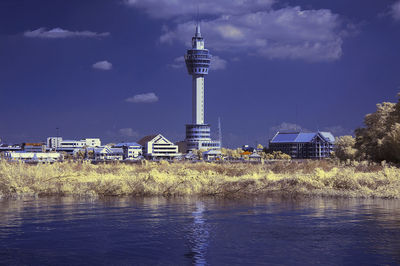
{"x":132,"y":150}
{"x":157,"y":146}
{"x":57,"y":143}
{"x":33,"y":156}
{"x":108,"y":154}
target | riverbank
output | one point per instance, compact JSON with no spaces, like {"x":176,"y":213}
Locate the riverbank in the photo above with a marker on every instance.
{"x":309,"y":178}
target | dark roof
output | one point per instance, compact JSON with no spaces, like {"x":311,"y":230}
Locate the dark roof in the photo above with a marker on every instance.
{"x":146,"y":139}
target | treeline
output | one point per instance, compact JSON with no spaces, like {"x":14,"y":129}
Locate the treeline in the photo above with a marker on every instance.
{"x":378,"y":141}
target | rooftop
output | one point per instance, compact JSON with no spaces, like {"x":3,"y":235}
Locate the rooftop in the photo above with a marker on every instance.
{"x":300,"y":137}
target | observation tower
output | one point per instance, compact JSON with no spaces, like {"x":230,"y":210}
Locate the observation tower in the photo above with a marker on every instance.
{"x":198,"y":60}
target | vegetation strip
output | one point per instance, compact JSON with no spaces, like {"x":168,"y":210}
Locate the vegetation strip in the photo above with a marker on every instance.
{"x":314,"y":178}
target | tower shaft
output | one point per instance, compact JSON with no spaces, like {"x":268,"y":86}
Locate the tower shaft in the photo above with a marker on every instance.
{"x":198,"y":100}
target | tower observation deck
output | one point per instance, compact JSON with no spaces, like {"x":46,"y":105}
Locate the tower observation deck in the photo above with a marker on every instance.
{"x":198,"y":60}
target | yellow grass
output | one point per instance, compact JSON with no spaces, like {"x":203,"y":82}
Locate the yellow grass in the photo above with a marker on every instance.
{"x":200,"y":179}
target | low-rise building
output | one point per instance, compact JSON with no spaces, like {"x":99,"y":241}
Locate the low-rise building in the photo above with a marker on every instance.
{"x":33,"y":156}
{"x":157,"y":147}
{"x":108,"y":154}
{"x":6,"y":147}
{"x":59,"y":144}
{"x":33,"y":147}
{"x":212,"y":155}
{"x":255,"y":157}
{"x":303,"y":145}
{"x":132,"y":150}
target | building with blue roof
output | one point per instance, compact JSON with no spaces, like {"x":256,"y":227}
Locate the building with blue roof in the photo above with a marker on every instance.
{"x":131,"y":150}
{"x":299,"y":145}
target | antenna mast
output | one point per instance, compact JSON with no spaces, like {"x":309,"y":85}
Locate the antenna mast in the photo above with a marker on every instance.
{"x":219,"y":132}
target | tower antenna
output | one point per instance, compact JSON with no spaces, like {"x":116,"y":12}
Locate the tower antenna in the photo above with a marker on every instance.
{"x":219,"y":132}
{"x":197,"y":19}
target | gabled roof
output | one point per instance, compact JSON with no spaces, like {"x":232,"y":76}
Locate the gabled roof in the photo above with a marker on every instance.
{"x":146,"y":139}
{"x":155,"y":138}
{"x":212,"y":152}
{"x":300,"y":137}
{"x":255,"y":155}
{"x":328,"y":136}
{"x":107,"y":149}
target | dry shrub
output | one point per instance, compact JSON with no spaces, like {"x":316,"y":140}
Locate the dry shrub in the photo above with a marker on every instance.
{"x":179,"y":179}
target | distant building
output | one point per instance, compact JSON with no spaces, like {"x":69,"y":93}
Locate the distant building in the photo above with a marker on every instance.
{"x":157,"y":146}
{"x":59,"y":144}
{"x":6,"y":147}
{"x":211,"y":155}
{"x":53,"y":142}
{"x":33,"y":147}
{"x":131,"y":150}
{"x":108,"y":154}
{"x":303,"y":145}
{"x":33,"y":156}
{"x":248,"y":148}
{"x":255,"y":157}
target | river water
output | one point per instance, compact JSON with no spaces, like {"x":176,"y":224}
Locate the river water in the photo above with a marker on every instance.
{"x":199,"y":231}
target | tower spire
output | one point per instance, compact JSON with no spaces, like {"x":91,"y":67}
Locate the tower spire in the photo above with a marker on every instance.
{"x":198,"y":33}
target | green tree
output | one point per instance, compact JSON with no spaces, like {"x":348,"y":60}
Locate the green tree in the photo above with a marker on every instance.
{"x":344,"y":148}
{"x":374,"y":140}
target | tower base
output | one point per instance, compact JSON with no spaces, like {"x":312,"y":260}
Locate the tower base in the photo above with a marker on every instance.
{"x":198,"y":137}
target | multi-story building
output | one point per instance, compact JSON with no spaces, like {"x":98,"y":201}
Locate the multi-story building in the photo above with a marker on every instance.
{"x":33,"y":156}
{"x":198,"y":60}
{"x":108,"y":154}
{"x":132,"y":150}
{"x":303,"y":145}
{"x":33,"y":147}
{"x":157,"y":146}
{"x":59,"y":144}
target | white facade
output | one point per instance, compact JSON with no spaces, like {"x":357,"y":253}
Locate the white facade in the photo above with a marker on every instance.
{"x":198,"y":100}
{"x":108,"y":154}
{"x":157,"y":146}
{"x":58,"y":143}
{"x":33,"y":156}
{"x":132,"y":150}
{"x":92,"y":142}
{"x":53,"y":142}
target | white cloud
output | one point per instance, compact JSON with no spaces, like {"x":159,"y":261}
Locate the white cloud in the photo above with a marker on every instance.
{"x":338,"y":130}
{"x":128,"y":132}
{"x":143,"y":98}
{"x":102,"y":65}
{"x":58,"y":33}
{"x":182,"y":8}
{"x":287,"y":127}
{"x":217,"y":63}
{"x":179,"y":62}
{"x":395,"y":11}
{"x":292,"y":33}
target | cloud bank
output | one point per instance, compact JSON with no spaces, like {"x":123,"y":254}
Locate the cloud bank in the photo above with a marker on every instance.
{"x":185,"y":8}
{"x":143,"y":98}
{"x":254,"y":27}
{"x":395,"y":11}
{"x":128,"y":132}
{"x":59,"y":33}
{"x":102,"y":65}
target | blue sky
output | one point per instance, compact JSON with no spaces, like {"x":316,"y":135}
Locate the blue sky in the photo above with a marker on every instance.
{"x":114,"y":69}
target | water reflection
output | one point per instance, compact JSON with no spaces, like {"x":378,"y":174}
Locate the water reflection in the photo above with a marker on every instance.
{"x":178,"y":231}
{"x":198,"y":236}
